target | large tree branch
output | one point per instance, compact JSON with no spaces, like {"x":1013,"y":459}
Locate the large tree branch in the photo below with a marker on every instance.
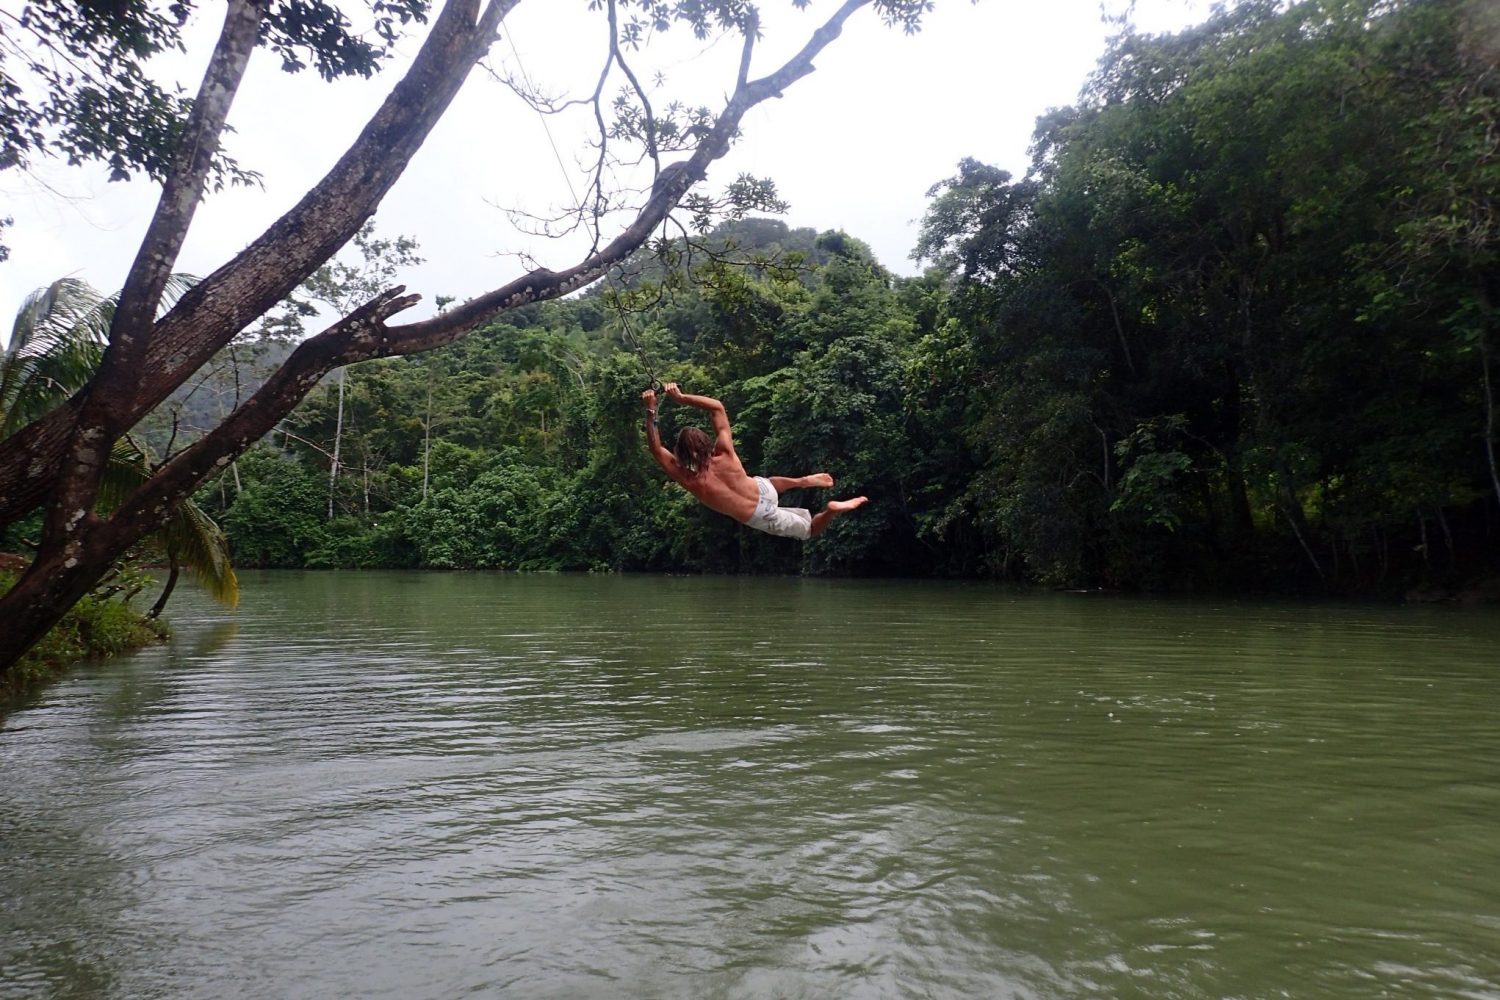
{"x":97,"y":425}
{"x":230,"y":299}
{"x":672,"y":183}
{"x":332,"y":212}
{"x":356,"y":337}
{"x":183,"y":189}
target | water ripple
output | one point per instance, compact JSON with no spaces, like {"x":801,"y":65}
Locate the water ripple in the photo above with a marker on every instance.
{"x":426,"y":786}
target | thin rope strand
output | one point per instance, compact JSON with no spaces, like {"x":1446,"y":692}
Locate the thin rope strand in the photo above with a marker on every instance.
{"x":568,"y":179}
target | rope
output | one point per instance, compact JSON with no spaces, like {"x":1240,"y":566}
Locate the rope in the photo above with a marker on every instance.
{"x":510,"y":37}
{"x":567,"y":178}
{"x":635,"y":344}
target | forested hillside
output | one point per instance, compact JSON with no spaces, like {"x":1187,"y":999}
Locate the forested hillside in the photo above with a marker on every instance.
{"x":1236,"y":328}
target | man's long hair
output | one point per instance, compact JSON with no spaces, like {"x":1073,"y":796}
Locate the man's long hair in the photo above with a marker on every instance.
{"x":692,"y":449}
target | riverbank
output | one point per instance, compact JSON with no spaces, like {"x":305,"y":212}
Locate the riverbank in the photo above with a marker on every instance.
{"x":95,"y":628}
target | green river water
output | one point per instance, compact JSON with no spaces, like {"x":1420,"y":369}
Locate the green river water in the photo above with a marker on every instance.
{"x":426,"y":785}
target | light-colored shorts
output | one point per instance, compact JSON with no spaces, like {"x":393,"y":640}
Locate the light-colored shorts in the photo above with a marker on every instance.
{"x":785,"y":522}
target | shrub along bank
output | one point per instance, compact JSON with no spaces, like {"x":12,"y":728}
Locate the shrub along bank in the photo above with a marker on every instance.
{"x":103,"y":624}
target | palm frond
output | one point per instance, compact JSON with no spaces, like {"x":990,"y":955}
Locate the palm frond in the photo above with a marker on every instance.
{"x":126,"y":471}
{"x":190,"y":537}
{"x":61,"y":310}
{"x":199,"y":546}
{"x":176,"y":287}
{"x":30,"y":386}
{"x":55,"y":345}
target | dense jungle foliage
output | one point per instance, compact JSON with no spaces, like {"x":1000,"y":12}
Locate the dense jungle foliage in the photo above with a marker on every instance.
{"x":1235,"y":328}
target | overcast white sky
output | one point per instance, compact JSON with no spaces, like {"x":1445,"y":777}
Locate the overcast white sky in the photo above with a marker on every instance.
{"x":854,"y":146}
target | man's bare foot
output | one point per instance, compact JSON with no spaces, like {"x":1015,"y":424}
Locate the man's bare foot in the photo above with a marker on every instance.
{"x":831,"y":511}
{"x":822,"y":479}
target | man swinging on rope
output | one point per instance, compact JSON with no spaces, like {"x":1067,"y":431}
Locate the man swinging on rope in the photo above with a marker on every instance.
{"x":708,"y":468}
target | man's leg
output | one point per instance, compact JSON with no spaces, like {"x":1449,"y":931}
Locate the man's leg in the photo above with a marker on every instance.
{"x":833,"y":510}
{"x":783,"y":483}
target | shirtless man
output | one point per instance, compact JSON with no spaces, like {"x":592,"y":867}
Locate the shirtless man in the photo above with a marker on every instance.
{"x":708,"y":468}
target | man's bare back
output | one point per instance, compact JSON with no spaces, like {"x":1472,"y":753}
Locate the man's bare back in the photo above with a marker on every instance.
{"x":724,"y":486}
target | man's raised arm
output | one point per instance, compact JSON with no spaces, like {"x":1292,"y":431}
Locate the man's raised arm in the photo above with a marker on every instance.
{"x":664,"y":458}
{"x":717,"y":413}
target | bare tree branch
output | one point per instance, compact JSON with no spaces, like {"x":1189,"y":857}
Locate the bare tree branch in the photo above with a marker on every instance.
{"x":647,"y":116}
{"x":671,"y":184}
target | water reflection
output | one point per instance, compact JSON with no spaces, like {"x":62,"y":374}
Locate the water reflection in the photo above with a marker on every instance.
{"x":409,"y":785}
